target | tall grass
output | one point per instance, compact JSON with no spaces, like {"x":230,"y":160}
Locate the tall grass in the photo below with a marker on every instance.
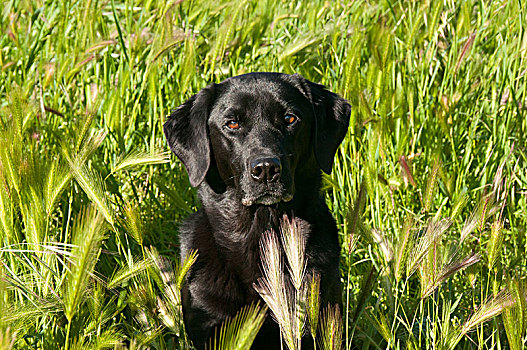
{"x":433,"y":247}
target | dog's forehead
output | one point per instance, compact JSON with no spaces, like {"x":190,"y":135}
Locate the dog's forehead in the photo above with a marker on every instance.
{"x":259,"y":92}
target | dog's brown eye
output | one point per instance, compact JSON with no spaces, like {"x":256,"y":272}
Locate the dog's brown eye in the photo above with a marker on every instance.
{"x":233,"y":125}
{"x":290,"y":119}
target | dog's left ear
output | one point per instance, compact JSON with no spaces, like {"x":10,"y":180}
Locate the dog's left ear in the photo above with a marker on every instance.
{"x":187,"y":134}
{"x":332,"y":115}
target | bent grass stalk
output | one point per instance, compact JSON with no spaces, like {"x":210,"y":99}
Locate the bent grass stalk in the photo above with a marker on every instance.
{"x":314,"y":306}
{"x":88,"y":234}
{"x":239,"y":333}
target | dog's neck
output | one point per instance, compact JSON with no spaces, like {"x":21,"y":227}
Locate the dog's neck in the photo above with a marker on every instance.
{"x":244,"y":222}
{"x":244,"y":225}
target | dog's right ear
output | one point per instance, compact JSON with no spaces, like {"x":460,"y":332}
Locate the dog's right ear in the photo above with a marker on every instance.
{"x":187,"y":134}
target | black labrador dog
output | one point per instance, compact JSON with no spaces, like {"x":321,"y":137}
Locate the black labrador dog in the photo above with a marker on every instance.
{"x":254,"y":145}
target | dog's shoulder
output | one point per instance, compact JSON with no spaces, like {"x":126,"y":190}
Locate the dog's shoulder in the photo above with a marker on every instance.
{"x":193,"y":230}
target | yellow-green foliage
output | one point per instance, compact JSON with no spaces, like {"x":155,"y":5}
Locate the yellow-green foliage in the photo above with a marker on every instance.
{"x":428,"y":188}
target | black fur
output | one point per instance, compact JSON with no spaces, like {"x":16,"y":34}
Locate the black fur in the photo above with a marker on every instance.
{"x":237,"y":208}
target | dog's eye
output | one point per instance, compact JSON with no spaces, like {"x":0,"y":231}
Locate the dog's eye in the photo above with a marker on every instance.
{"x":233,"y":124}
{"x":290,"y":119}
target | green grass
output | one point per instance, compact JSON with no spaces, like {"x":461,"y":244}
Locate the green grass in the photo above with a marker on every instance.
{"x":438,"y":95}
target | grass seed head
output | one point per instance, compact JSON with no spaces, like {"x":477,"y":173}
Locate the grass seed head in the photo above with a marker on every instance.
{"x":331,"y":328}
{"x":294,"y":244}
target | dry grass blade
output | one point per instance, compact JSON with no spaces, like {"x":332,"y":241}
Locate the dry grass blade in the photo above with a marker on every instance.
{"x":331,"y":328}
{"x":138,"y":158}
{"x":167,"y":273}
{"x":494,"y":244}
{"x":7,"y":338}
{"x":459,"y":204}
{"x":470,"y":224}
{"x":169,"y":314}
{"x":464,"y":51}
{"x":239,"y":333}
{"x":431,"y":186}
{"x":92,"y":184}
{"x":487,"y":206}
{"x":314,"y":304}
{"x":287,"y":299}
{"x":454,"y":267}
{"x":500,"y":186}
{"x":170,"y":280}
{"x":57,"y":178}
{"x":89,"y":144}
{"x":107,"y":339}
{"x":133,"y":223}
{"x":6,"y":212}
{"x":185,"y":266}
{"x":384,"y":245}
{"x":515,"y":316}
{"x":272,"y":264}
{"x":490,"y":309}
{"x":368,"y":282}
{"x":353,"y":219}
{"x":447,"y":271}
{"x":403,"y":248}
{"x":294,"y":244}
{"x":88,"y":235}
{"x":128,"y":271}
{"x":406,"y":171}
{"x":433,"y":231}
{"x":382,"y":325}
{"x":298,"y":46}
{"x":273,"y":289}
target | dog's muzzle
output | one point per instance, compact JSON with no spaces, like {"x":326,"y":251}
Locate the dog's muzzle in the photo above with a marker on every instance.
{"x":266,"y":199}
{"x":266,"y":172}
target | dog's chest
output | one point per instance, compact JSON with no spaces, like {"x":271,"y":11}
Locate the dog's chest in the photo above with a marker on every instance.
{"x":229,"y":261}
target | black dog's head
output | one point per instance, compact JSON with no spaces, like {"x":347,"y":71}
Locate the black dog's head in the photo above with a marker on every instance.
{"x":252,"y":132}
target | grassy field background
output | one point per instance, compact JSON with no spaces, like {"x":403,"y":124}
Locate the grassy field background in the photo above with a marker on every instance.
{"x":429,"y":188}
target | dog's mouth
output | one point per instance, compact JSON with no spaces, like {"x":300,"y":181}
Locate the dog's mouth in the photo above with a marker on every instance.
{"x":266,"y":199}
{"x":267,"y":184}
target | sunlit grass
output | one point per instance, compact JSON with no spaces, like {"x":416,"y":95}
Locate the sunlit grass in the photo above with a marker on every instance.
{"x":429,"y":189}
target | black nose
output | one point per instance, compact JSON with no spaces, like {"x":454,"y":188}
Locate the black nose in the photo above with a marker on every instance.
{"x":266,"y":169}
